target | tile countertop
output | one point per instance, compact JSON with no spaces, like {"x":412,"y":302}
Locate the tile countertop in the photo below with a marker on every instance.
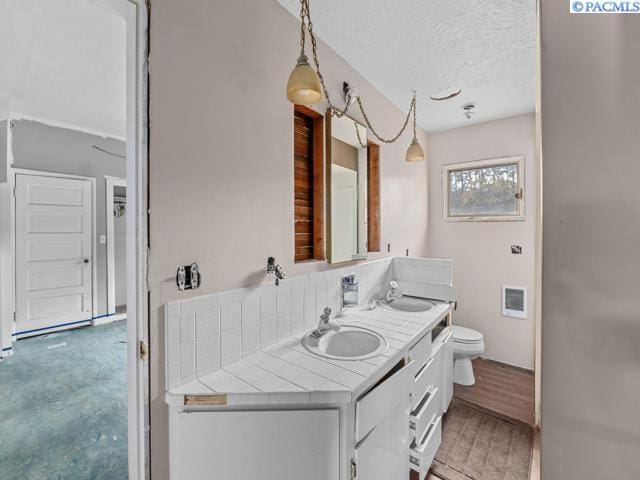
{"x":286,"y":373}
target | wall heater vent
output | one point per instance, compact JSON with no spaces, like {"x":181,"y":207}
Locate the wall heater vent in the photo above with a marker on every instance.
{"x":514,"y":301}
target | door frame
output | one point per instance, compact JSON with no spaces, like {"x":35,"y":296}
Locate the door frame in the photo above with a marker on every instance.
{"x":94,"y":248}
{"x":110,"y":183}
{"x":136,"y":15}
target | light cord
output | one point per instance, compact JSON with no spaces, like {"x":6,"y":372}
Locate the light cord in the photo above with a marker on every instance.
{"x":305,"y":17}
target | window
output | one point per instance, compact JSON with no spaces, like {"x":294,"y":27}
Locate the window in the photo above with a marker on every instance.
{"x":308,"y":190}
{"x":486,"y":190}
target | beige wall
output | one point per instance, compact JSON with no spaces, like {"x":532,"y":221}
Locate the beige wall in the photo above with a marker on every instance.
{"x":591,"y":265}
{"x":221,"y":158}
{"x":481,"y":254}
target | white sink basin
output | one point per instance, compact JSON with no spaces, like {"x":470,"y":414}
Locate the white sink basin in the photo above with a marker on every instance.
{"x":409,"y":304}
{"x":350,"y":343}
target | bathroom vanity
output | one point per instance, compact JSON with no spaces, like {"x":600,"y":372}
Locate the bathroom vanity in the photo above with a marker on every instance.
{"x":284,"y":412}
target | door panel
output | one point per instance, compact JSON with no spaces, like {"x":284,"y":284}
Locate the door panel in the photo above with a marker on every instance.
{"x":54,"y":253}
{"x":383,"y":453}
{"x":49,"y":247}
{"x":41,"y":194}
{"x":43,"y":221}
{"x":372,"y":454}
{"x":255,"y":445}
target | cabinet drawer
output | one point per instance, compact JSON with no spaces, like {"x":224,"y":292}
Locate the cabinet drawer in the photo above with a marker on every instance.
{"x":426,"y":412}
{"x":425,"y":379}
{"x":423,"y":452}
{"x":377,"y":403}
{"x":421,"y":351}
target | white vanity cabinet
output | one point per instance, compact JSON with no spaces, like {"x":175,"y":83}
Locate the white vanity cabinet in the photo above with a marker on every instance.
{"x":387,"y":429}
{"x":265,"y":445}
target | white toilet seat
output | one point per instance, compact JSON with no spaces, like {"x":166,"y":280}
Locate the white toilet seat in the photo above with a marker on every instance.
{"x":466,"y":335}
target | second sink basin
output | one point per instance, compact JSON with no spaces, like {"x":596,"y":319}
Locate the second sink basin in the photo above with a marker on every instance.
{"x":349,"y":343}
{"x":409,"y":304}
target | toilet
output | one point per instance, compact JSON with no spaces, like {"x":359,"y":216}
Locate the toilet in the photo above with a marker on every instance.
{"x":467,"y":345}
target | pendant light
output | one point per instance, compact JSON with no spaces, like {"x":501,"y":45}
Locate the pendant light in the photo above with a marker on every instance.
{"x":303,"y":87}
{"x":306,"y":87}
{"x":414,"y":152}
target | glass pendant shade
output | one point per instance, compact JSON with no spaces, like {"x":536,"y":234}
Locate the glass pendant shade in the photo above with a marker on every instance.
{"x":415,"y":152}
{"x":303,"y":87}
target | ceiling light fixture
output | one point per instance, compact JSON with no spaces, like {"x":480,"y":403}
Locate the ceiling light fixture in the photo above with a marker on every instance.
{"x":306,"y":86}
{"x":445,"y":94}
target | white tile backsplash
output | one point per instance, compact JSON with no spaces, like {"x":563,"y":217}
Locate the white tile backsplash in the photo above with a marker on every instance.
{"x":230,"y":316}
{"x":230,"y":346}
{"x":187,"y":363}
{"x":187,"y":329}
{"x":207,"y":355}
{"x":268,"y":318}
{"x":207,"y":333}
{"x":283,"y":326}
{"x":250,"y":337}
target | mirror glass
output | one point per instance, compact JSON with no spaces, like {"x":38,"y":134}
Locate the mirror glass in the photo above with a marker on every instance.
{"x":347,"y":190}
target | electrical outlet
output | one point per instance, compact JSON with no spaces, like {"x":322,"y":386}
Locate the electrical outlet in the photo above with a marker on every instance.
{"x":103,"y":239}
{"x":516,"y":249}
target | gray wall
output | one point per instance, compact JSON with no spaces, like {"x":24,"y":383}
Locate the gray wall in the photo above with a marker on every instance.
{"x":42,"y":147}
{"x":591,"y":269}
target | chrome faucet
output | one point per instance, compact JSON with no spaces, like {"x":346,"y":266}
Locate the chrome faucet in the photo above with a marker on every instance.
{"x":391,"y":291}
{"x":388,"y":297}
{"x":276,"y":269}
{"x":324,"y":325}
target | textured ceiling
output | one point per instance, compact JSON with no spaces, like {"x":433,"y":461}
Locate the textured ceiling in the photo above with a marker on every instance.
{"x":64,"y":62}
{"x":485,"y":47}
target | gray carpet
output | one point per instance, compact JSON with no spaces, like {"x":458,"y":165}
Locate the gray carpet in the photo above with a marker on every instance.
{"x":63,"y":406}
{"x":481,"y":445}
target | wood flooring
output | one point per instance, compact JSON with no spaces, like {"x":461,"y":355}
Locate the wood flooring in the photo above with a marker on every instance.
{"x":501,"y":388}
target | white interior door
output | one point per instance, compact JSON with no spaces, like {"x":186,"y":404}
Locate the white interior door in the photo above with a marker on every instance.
{"x":54,"y":254}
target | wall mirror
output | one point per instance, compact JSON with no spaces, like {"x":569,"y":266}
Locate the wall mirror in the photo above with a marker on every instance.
{"x":346,"y":163}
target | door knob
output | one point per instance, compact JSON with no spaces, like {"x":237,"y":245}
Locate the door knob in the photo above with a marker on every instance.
{"x":86,"y":260}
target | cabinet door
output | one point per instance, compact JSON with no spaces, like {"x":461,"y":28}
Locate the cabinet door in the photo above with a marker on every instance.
{"x":398,"y":441}
{"x":383,"y":454}
{"x":371,"y":455}
{"x":265,"y":445}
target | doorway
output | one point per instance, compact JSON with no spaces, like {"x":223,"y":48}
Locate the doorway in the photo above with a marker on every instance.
{"x":52,"y":285}
{"x":116,"y":212}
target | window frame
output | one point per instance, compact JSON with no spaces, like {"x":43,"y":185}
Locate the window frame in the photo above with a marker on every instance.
{"x":476,"y":164}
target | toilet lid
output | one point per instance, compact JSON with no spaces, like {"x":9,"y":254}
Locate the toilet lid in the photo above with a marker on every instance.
{"x":466,"y":335}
